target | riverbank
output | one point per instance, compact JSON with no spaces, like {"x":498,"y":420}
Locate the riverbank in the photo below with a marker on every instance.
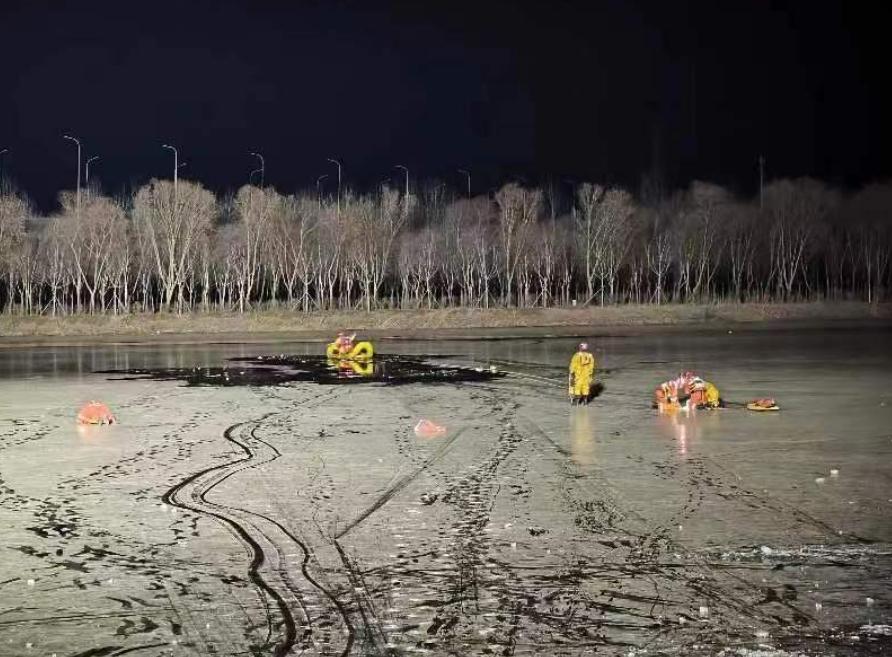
{"x":424,"y":324}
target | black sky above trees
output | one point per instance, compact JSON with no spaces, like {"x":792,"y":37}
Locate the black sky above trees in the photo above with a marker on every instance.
{"x":604,"y":91}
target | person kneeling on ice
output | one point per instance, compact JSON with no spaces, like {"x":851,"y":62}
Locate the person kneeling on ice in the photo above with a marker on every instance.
{"x":582,"y":371}
{"x":672,"y":391}
{"x":703,"y":394}
{"x":344,"y":343}
{"x":687,"y":389}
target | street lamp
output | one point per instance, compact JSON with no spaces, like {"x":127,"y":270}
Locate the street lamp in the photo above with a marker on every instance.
{"x":87,"y":167}
{"x":262,"y":167}
{"x":468,"y":174}
{"x":333,"y":161}
{"x":319,"y":187}
{"x":176,"y":167}
{"x":77,"y":141}
{"x":400,"y":166}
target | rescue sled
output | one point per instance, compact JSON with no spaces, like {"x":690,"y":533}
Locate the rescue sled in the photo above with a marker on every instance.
{"x":762,"y":405}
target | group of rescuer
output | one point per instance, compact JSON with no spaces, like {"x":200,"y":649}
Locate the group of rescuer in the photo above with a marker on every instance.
{"x":687,"y":390}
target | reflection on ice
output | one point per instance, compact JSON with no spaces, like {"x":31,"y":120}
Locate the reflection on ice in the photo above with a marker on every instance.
{"x":582,"y":435}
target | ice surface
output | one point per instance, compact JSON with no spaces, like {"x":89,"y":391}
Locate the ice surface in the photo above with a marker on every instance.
{"x":304,"y":519}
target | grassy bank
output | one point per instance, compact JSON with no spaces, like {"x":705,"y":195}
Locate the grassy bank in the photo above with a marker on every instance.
{"x":412,"y":323}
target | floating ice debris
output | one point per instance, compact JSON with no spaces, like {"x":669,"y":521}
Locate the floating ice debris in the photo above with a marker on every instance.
{"x":820,"y":480}
{"x":869,"y":601}
{"x":29,"y":645}
{"x":766,"y":550}
{"x":761,"y":634}
{"x":30,"y":582}
{"x":682,"y":620}
{"x":834,"y":472}
{"x":881,"y":630}
{"x":818,"y":606}
{"x":704,"y":612}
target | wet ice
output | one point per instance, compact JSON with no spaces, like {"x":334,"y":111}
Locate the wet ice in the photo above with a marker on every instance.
{"x":279,"y":472}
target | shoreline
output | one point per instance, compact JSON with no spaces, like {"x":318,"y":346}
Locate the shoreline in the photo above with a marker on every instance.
{"x":439,"y":324}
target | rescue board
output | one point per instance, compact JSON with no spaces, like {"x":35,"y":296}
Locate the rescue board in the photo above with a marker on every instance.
{"x":753,"y":406}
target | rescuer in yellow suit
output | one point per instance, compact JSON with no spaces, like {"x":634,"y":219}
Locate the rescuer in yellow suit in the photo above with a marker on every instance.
{"x":582,"y":371}
{"x":704,"y":394}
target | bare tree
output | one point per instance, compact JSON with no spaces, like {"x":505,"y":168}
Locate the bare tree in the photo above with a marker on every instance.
{"x":95,"y":232}
{"x":379,"y":226}
{"x":699,"y":211}
{"x":14,"y":209}
{"x":796,"y":207}
{"x":172,"y":225}
{"x":518,"y":211}
{"x":256,"y":210}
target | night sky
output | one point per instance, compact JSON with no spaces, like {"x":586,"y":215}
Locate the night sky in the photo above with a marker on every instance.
{"x":593,"y":90}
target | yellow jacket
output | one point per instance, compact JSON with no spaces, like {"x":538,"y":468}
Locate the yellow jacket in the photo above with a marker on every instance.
{"x":582,"y":365}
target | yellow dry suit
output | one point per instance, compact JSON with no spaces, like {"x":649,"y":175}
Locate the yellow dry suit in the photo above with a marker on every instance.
{"x":582,"y":371}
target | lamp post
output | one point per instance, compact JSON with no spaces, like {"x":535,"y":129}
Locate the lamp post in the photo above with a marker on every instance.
{"x":175,"y":168}
{"x":77,"y":141}
{"x":761,"y":182}
{"x":319,"y":187}
{"x":262,"y":167}
{"x":333,"y":161}
{"x":400,"y":166}
{"x":468,"y":174}
{"x":87,"y":169}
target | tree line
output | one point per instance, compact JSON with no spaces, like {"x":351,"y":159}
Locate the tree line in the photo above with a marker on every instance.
{"x":176,"y":246}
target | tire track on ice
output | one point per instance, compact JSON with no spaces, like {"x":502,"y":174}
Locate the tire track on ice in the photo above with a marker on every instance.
{"x":264,"y":537}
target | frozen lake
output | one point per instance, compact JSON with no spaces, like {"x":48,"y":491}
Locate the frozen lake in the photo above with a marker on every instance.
{"x":309,"y":519}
